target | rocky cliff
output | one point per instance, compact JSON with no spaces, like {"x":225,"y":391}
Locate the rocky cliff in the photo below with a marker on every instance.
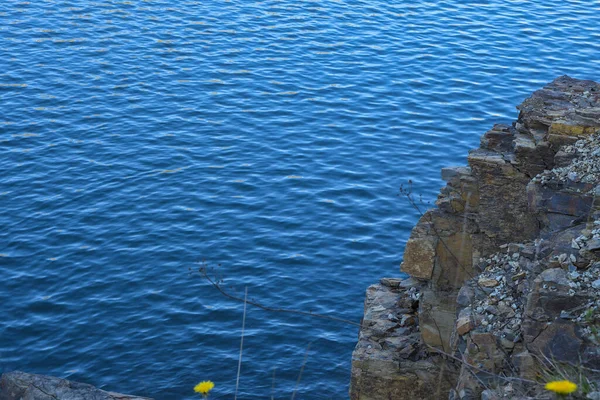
{"x":504,"y":287}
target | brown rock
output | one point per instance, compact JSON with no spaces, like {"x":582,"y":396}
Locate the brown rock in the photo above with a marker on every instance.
{"x":488,"y":282}
{"x":464,"y":322}
{"x":419,"y":256}
{"x":568,"y":128}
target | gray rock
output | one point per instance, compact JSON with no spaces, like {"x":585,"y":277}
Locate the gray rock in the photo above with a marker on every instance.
{"x":391,"y":282}
{"x":18,"y":385}
{"x":593,"y":245}
{"x":450,"y":173}
{"x":490,"y":394}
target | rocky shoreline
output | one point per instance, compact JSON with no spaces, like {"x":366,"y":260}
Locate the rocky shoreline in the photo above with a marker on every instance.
{"x":504,"y":287}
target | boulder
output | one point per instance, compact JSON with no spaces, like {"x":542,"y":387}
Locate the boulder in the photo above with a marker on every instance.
{"x":18,"y":385}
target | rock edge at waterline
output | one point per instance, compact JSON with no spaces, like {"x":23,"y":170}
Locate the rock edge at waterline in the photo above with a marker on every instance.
{"x":504,"y":272}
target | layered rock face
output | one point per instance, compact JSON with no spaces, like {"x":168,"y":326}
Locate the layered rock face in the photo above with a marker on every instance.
{"x":18,"y":385}
{"x":505,"y":272}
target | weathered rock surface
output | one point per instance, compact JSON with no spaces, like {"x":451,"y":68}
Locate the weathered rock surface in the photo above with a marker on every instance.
{"x":389,"y":360}
{"x":18,"y":385}
{"x":507,"y":267}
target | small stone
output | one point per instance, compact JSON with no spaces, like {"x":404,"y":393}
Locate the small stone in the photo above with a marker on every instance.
{"x":514,"y":247}
{"x":566,"y":315}
{"x":596,"y":284}
{"x":506,"y":343}
{"x":490,"y":394}
{"x":518,"y":276}
{"x":391,"y":282}
{"x":464,"y":324}
{"x":572,"y":268}
{"x":528,"y":252}
{"x":593,"y":245}
{"x":407,"y":351}
{"x":573,"y":176}
{"x":491,"y":310}
{"x":450,"y":173}
{"x":466,"y":394}
{"x":574,"y":275}
{"x":488,"y":282}
{"x":409,"y":283}
{"x":407,"y":320}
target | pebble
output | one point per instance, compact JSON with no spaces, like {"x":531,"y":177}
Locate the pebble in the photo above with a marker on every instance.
{"x":584,"y":168}
{"x":502,"y":308}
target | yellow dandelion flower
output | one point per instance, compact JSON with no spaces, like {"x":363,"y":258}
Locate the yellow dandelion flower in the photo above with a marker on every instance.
{"x":561,"y":387}
{"x":204,"y":387}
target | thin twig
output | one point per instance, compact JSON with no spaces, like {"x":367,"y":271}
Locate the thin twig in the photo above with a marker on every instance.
{"x":217,"y":286}
{"x":273,"y":385}
{"x":237,"y":380}
{"x":301,"y":370}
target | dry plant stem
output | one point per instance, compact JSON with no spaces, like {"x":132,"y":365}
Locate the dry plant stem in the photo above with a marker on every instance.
{"x":553,"y":364}
{"x":237,"y":379}
{"x":592,"y":207}
{"x":301,"y":370}
{"x":273,"y":385}
{"x":472,"y":367}
{"x":253,"y":303}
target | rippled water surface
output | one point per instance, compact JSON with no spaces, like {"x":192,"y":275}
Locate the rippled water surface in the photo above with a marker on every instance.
{"x":138,"y":138}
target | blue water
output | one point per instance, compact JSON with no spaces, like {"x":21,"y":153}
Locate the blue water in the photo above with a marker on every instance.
{"x":138,"y":138}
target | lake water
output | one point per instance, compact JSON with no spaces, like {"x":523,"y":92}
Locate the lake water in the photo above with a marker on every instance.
{"x":138,"y":138}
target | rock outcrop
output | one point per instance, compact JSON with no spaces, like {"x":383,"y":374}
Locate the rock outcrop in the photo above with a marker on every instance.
{"x":18,"y":385}
{"x":505,"y":272}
